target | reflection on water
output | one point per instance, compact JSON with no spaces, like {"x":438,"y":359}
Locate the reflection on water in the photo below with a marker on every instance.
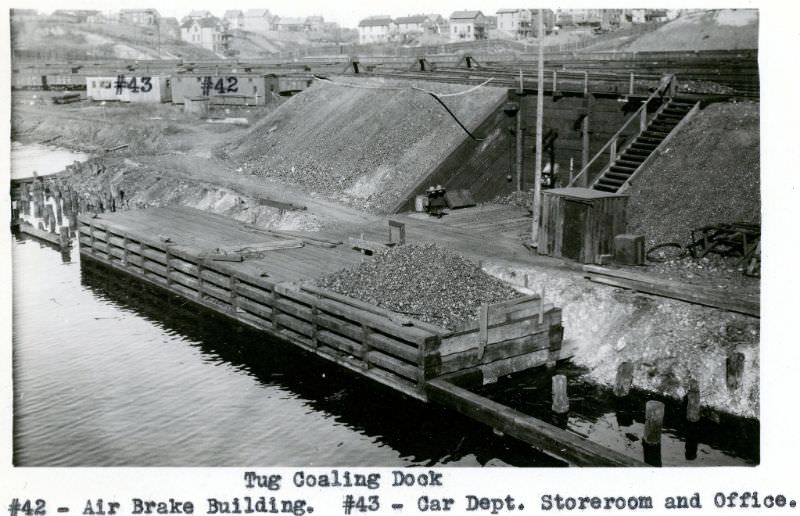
{"x":42,"y":159}
{"x":108,"y":371}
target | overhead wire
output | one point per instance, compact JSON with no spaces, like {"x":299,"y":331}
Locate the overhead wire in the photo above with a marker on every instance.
{"x":437,"y":96}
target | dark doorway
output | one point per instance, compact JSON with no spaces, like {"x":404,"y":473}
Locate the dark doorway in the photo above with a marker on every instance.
{"x":575,"y":216}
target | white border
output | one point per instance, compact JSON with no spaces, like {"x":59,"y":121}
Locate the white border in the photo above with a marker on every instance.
{"x":779,"y":35}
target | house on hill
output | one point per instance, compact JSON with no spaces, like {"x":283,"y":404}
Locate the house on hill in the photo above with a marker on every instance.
{"x":139,"y":16}
{"x":376,"y":29}
{"x":198,"y":15}
{"x":467,"y":26}
{"x":73,"y":15}
{"x":291,"y":24}
{"x":258,"y":20}
{"x":315,"y":23}
{"x":234,"y":18}
{"x":524,"y":23}
{"x":23,"y":14}
{"x":170,"y":28}
{"x":208,"y":33}
{"x":411,"y":24}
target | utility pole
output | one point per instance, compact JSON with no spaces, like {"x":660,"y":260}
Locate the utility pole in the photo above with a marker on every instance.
{"x":520,"y":136}
{"x":537,"y":176}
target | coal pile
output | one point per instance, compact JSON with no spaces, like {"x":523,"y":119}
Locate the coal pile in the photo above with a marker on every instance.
{"x":423,"y":281}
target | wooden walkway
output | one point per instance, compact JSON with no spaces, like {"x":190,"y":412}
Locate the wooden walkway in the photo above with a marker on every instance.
{"x":490,"y":231}
{"x":204,"y":232}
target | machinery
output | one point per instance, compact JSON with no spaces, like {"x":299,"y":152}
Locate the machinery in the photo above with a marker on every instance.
{"x":436,"y":201}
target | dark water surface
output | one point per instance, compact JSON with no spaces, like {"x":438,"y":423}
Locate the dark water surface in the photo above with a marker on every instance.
{"x":108,"y":372}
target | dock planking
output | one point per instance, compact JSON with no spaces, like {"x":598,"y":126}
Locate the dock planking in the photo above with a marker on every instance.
{"x":269,"y":289}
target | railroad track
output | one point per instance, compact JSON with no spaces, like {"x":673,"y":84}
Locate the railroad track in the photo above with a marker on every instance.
{"x":736,"y":69}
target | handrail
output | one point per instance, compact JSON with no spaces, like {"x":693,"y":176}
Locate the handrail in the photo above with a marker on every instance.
{"x":640,"y":115}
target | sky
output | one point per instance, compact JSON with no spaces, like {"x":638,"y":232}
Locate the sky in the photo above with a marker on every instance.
{"x":345,"y":12}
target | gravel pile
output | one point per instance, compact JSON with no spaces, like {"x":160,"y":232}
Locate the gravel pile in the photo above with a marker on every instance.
{"x":708,"y":87}
{"x":522,"y":199}
{"x":426,"y":282}
{"x":708,"y":174}
{"x":363,"y":146}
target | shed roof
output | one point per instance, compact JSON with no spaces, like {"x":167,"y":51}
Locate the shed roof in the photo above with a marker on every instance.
{"x":233,"y":13}
{"x":419,"y":18}
{"x":582,"y":193}
{"x":257,"y":13}
{"x":465,"y":15}
{"x":375,"y":22}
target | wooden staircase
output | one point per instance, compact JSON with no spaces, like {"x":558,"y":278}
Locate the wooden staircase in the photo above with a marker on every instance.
{"x":617,"y":176}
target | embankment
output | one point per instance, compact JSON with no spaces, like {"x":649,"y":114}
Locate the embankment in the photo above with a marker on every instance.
{"x":366,"y":145}
{"x":668,"y":341}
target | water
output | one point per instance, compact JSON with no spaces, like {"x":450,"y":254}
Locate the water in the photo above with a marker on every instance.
{"x":42,"y":159}
{"x":108,"y":372}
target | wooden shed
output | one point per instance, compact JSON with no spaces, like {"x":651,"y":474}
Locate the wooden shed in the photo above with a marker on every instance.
{"x":288,"y":84}
{"x":248,"y":88}
{"x":581,"y":223}
{"x":133,"y":88}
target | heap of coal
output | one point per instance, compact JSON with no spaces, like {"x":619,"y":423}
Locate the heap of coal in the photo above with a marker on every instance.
{"x":423,"y":281}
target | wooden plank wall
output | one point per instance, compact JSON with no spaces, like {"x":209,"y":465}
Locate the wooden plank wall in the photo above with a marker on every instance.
{"x":387,"y":347}
{"x":607,"y":217}
{"x":564,"y":114}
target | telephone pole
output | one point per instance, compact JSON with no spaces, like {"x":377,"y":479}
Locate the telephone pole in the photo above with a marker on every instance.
{"x":537,"y":176}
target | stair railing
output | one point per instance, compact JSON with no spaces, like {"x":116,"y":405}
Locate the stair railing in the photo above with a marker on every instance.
{"x":666,"y":85}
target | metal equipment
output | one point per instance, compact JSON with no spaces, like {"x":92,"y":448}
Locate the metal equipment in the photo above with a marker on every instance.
{"x":436,"y":201}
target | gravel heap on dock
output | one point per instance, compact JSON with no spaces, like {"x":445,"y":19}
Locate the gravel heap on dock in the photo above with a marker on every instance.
{"x":422,"y":281}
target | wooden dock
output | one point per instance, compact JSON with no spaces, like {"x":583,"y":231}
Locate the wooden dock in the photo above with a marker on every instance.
{"x":263,"y":279}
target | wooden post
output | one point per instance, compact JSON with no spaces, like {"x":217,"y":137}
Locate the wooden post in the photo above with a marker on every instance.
{"x":630,"y":88}
{"x":693,"y":402}
{"x":643,"y":119}
{"x":51,"y":217}
{"x":168,"y":265}
{"x":520,"y":138}
{"x":314,"y":325}
{"x":653,"y":420}
{"x":365,"y":331}
{"x":234,"y":295}
{"x":541,"y":305}
{"x":483,"y":329}
{"x":537,"y":175}
{"x":585,"y":149}
{"x":63,"y":237}
{"x":560,"y":399}
{"x":734,"y":367}
{"x":555,"y":81}
{"x":624,"y":379}
{"x":613,"y":152}
{"x":585,"y":83}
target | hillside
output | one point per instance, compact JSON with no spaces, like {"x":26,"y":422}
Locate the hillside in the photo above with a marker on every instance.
{"x":60,"y":41}
{"x":365,"y":145}
{"x":709,"y":173}
{"x":724,"y":29}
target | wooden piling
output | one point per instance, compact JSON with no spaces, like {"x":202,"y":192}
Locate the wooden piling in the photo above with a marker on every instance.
{"x":624,"y":379}
{"x":653,"y":420}
{"x":734,"y":368}
{"x":693,"y":402}
{"x":63,"y":237}
{"x":560,"y":399}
